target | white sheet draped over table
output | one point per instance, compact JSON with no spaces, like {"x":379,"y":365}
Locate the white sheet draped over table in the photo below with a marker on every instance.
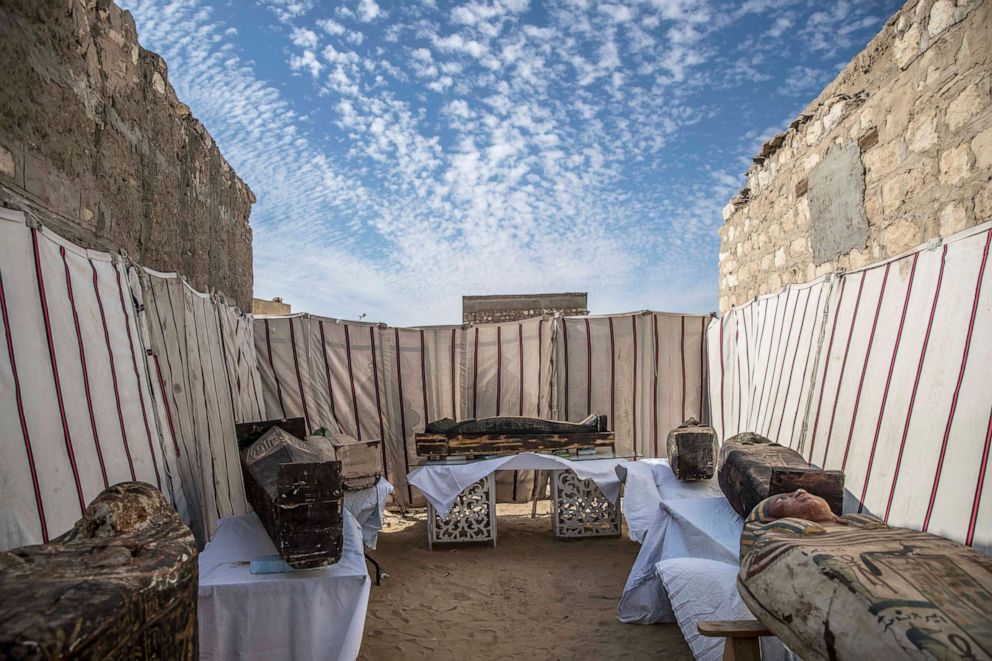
{"x":313,"y":614}
{"x":441,"y":483}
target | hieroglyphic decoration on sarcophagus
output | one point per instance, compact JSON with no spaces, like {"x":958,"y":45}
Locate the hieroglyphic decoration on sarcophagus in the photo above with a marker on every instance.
{"x":692,"y":451}
{"x":751,"y":468}
{"x":122,"y":584}
{"x":856,"y":588}
{"x":295,"y":489}
{"x":502,"y":435}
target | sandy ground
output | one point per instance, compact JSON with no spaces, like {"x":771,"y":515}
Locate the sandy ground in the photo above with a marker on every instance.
{"x":529,"y":598}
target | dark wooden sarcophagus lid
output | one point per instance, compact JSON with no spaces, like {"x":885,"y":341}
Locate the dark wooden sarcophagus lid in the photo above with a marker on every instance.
{"x":122,"y":584}
{"x":510,"y":435}
{"x":752,"y":468}
{"x":296,"y":491}
{"x":692,"y":451}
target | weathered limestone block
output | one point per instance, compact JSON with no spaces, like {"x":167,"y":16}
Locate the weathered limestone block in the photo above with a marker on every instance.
{"x":692,"y":451}
{"x":298,"y":496}
{"x":753,"y":468}
{"x":855,"y":588}
{"x":122,"y":584}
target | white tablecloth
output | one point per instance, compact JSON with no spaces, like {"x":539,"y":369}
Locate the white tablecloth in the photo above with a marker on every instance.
{"x":368,"y":506}
{"x":686,"y":570}
{"x":315,"y":614}
{"x":441,"y":483}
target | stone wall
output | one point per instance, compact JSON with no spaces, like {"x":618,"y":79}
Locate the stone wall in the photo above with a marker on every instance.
{"x":513,"y":307}
{"x":896,"y":151}
{"x":275,"y":306}
{"x":95,"y":144}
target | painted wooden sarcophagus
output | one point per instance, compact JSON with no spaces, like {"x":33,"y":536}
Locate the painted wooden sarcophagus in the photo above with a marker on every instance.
{"x":503,"y":435}
{"x":751,"y":468}
{"x":297,"y":493}
{"x":122,"y":584}
{"x":692,"y":451}
{"x":856,"y":588}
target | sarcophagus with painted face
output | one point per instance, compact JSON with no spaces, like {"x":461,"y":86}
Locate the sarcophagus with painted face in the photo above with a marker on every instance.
{"x":753,"y":468}
{"x":295,"y":489}
{"x":122,"y":584}
{"x":692,"y":451}
{"x":852,"y":587}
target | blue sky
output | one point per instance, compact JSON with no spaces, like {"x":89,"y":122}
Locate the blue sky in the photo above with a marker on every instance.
{"x":406,"y":153}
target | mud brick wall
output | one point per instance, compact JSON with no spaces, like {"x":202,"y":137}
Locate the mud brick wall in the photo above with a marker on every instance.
{"x":896,"y":151}
{"x":95,"y":145}
{"x":513,"y":307}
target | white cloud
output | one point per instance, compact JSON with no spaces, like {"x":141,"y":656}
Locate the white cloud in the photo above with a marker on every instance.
{"x":304,"y":38}
{"x":485,"y":148}
{"x":368,"y":11}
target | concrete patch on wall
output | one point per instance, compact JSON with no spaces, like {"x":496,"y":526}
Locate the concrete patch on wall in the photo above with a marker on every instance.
{"x":836,"y":193}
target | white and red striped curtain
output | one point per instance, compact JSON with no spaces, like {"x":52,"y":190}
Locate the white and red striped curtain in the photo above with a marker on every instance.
{"x":367,"y":380}
{"x":201,"y":353}
{"x":374,"y":381}
{"x":644,"y":370}
{"x":885,"y":381}
{"x":77,"y":404}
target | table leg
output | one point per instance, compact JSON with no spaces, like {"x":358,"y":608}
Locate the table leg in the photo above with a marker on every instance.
{"x":579,"y":508}
{"x":472,"y":517}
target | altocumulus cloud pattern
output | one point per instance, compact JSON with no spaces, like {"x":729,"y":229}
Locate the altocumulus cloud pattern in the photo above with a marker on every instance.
{"x":406,"y":153}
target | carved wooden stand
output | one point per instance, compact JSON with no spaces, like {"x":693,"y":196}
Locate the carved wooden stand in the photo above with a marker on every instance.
{"x":472,"y":517}
{"x":579,"y":508}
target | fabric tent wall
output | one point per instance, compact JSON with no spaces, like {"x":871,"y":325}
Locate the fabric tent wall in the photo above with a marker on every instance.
{"x":644,"y":370}
{"x":78,"y":411}
{"x":367,"y":380}
{"x":202,"y":353}
{"x":506,"y":370}
{"x":896,"y":393}
{"x":374,"y":381}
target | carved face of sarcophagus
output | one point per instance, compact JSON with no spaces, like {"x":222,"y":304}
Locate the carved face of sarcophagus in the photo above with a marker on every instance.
{"x":692,"y":451}
{"x":122,"y":584}
{"x":297,"y":493}
{"x":361,"y":461}
{"x":753,"y":468}
{"x":852,"y":587}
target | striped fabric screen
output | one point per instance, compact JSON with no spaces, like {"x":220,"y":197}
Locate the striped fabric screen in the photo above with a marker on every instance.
{"x":885,"y":380}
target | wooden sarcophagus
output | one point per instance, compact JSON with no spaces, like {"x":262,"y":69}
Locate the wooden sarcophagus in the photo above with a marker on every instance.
{"x":361,"y":461}
{"x":692,"y":451}
{"x":296,"y":491}
{"x":751,"y":468}
{"x":502,"y":435}
{"x":122,"y":584}
{"x":856,"y":588}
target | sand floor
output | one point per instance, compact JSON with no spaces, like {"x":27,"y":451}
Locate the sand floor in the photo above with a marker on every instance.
{"x":529,"y":598}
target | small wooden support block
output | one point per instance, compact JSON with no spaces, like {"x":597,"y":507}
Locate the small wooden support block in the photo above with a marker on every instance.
{"x":742,"y":637}
{"x":692,"y":451}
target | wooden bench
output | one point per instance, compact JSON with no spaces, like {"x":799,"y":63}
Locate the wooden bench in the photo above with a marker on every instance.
{"x":742,"y":637}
